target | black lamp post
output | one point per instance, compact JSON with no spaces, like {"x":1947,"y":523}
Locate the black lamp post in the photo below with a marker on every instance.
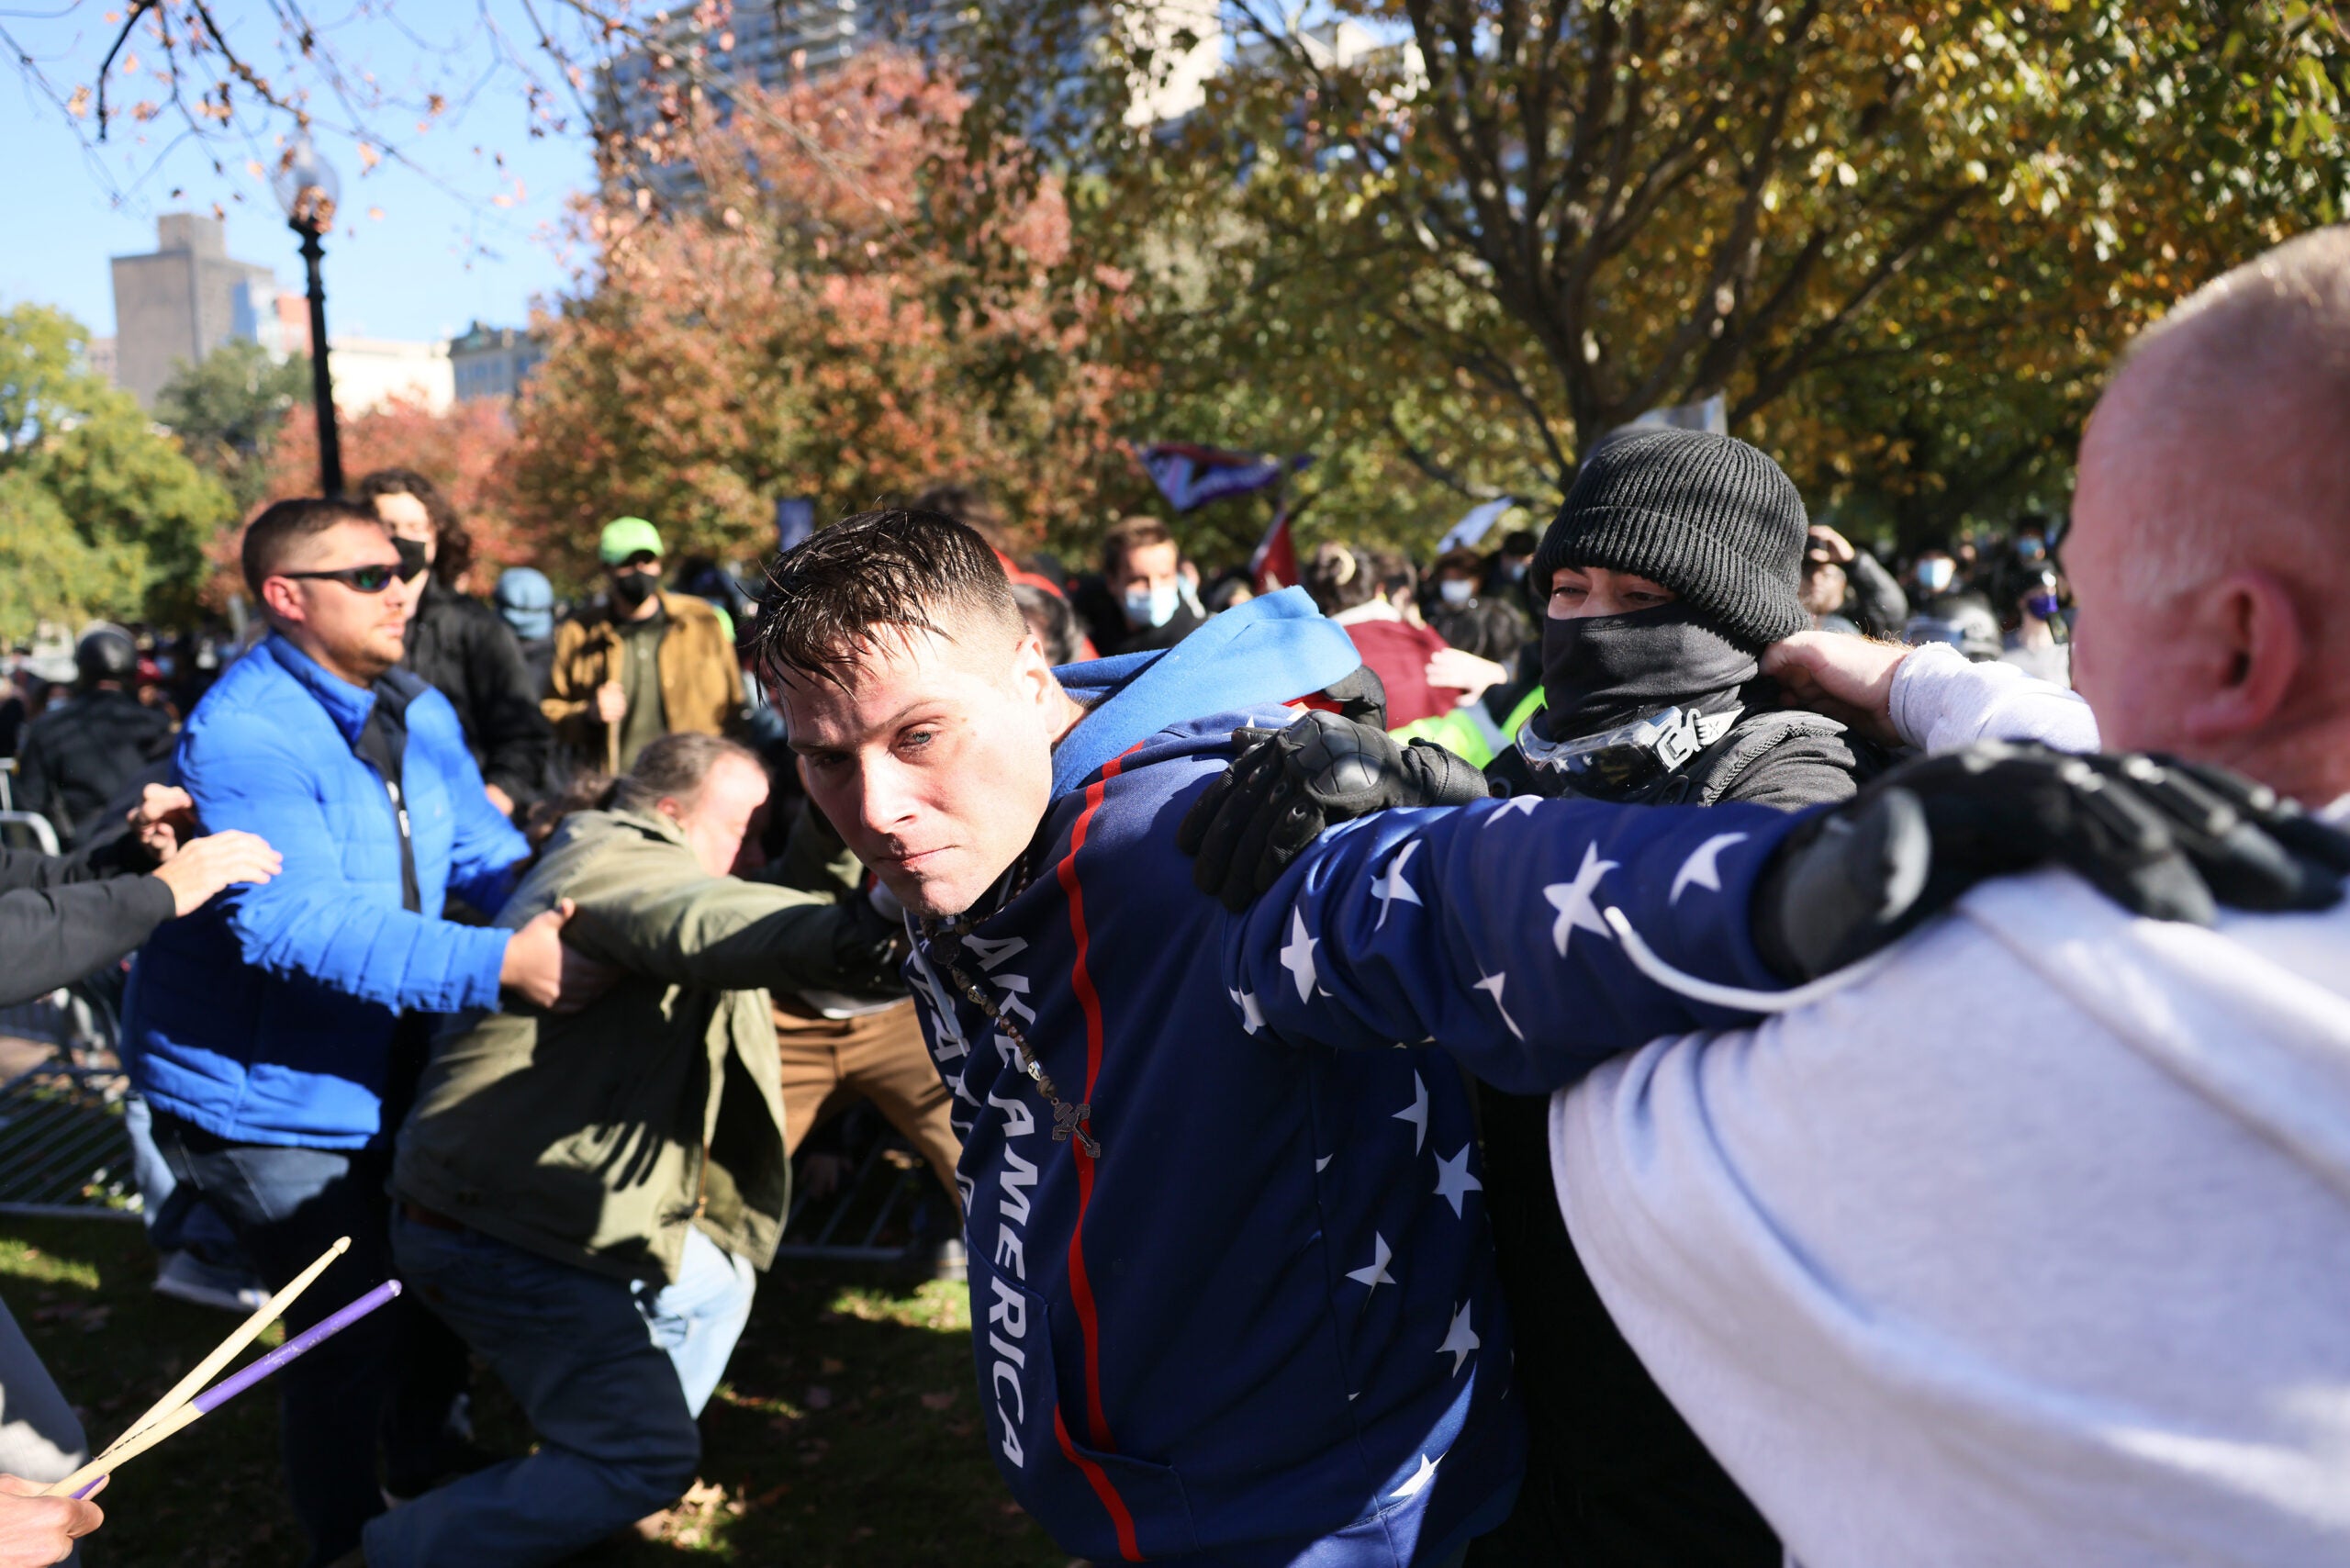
{"x":307,"y":188}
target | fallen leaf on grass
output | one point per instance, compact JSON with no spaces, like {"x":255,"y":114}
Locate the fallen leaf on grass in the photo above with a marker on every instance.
{"x":832,"y":1366}
{"x":937,"y":1401}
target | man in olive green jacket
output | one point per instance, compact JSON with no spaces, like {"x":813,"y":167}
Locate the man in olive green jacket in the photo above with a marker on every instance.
{"x":583,"y":1197}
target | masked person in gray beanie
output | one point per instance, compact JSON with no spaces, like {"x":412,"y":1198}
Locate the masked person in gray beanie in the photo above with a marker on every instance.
{"x":1676,"y":559}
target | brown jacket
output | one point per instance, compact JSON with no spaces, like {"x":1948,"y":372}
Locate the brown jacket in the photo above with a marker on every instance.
{"x":701,"y":681}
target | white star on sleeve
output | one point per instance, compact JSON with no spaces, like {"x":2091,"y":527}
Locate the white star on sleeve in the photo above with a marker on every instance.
{"x":1376,"y":1275}
{"x":1418,"y":1481}
{"x":1494,"y":984}
{"x":1391,"y":886}
{"x":1703,"y":867}
{"x":1416,"y":1112}
{"x":1460,"y":1341}
{"x":1252,"y":1016}
{"x":1514,"y":803}
{"x":1453,"y":1182}
{"x":1573,"y":901}
{"x":1298,"y":957}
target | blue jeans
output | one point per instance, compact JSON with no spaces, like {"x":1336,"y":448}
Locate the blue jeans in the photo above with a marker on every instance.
{"x":177,"y":1219}
{"x":388,"y":1381}
{"x":611,"y":1376}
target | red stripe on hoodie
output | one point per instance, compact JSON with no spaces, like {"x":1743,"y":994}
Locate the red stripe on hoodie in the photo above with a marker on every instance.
{"x":1080,"y":1287}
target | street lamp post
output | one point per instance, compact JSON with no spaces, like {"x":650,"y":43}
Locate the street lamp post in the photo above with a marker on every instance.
{"x":307,"y":188}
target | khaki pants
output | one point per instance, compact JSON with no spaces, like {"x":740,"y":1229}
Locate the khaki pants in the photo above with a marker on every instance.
{"x":880,"y":1057}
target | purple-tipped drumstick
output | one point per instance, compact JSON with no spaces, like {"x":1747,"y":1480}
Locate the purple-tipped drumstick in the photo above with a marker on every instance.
{"x":236,"y":1383}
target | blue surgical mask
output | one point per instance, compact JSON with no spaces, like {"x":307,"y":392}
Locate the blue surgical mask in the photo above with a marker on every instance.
{"x":2041,"y":604}
{"x":1456,"y":591}
{"x":1152,"y":607}
{"x":1934,"y":575}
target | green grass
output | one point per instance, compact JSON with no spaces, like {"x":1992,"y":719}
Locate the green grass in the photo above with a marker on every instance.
{"x":847,"y":1435}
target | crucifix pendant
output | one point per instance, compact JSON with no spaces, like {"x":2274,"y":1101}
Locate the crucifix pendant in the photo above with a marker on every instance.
{"x":1070,"y":1121}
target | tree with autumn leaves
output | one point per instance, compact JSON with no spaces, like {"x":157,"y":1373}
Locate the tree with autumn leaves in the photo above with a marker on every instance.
{"x":822,"y":296}
{"x":1470,"y":236}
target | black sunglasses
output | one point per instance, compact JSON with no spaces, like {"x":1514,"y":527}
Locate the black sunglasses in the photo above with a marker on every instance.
{"x":358,"y":579}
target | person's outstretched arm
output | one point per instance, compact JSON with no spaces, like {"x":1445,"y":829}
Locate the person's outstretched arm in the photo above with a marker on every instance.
{"x":1485,"y":929}
{"x":727,"y":933}
{"x":1534,"y":937}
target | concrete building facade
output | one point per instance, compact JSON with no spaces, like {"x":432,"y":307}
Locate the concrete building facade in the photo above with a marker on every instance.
{"x":184,"y":299}
{"x":371,"y":371}
{"x":493,"y":361}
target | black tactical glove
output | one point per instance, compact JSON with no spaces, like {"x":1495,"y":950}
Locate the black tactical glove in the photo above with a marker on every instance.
{"x":870,"y":946}
{"x":1291,"y":784}
{"x":2159,"y":837}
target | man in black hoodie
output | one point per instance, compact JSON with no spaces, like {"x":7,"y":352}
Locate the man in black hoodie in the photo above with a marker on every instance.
{"x":80,"y":753}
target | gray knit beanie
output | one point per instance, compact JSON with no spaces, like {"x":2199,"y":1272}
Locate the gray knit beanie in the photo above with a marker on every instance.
{"x":1707,"y":516}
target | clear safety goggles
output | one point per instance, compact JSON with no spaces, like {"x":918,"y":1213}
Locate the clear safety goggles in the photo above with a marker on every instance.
{"x":1630,"y":755}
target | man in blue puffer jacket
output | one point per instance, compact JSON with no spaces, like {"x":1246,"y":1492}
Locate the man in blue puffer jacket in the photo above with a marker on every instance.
{"x":268,"y":1031}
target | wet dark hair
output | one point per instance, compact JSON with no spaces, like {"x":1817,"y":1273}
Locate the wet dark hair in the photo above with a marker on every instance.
{"x":916,"y":571}
{"x":453,"y":546}
{"x":282,"y":526}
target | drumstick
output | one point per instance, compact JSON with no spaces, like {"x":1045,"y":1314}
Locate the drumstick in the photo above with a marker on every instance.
{"x":136,"y":1442}
{"x":228,"y":1349}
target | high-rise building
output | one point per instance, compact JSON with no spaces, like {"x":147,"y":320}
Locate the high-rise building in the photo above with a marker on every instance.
{"x":186,"y":298}
{"x":777,"y":44}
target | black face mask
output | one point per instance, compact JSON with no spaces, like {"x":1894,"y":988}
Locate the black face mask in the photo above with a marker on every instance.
{"x":412,"y":560}
{"x":1604,"y":670}
{"x":633,"y":588}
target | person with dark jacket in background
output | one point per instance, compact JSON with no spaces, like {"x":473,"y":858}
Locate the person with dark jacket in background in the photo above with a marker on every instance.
{"x":525,"y":601}
{"x":77,"y":755}
{"x":1848,"y":589}
{"x":1139,"y":602}
{"x":458,"y":645}
{"x":1468,"y":618}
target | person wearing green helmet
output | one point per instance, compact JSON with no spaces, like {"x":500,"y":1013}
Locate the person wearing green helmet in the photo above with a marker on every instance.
{"x":643,"y":664}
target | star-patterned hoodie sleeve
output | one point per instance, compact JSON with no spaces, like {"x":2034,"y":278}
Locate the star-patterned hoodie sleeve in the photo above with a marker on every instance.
{"x":1485,"y":930}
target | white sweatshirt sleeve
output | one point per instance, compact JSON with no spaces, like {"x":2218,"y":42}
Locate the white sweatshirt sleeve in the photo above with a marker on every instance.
{"x":1942,"y":702}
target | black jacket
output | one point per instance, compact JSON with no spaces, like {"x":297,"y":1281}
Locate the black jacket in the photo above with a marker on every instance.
{"x":78,"y":755}
{"x":1614,"y":1478}
{"x":461,"y":647}
{"x":62,"y":917}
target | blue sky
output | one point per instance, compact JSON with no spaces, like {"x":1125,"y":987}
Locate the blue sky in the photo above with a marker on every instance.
{"x":444,"y":254}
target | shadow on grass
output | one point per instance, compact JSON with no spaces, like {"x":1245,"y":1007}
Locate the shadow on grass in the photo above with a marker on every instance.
{"x":847,"y":1435}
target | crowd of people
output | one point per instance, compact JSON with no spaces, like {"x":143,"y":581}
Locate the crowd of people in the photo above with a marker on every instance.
{"x":1846,"y":1115}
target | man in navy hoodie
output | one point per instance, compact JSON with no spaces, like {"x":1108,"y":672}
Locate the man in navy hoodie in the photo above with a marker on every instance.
{"x":1231,"y":1291}
{"x":266,"y":1030}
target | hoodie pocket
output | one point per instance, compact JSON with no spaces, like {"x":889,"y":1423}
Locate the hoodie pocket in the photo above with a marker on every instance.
{"x":1098,"y":1505}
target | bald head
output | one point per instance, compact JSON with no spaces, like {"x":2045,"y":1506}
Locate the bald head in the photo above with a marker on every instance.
{"x":2211,"y":541}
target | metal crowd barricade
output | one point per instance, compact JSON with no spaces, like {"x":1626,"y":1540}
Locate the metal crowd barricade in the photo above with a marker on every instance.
{"x":27,"y":830}
{"x":63,"y":1148}
{"x":872,"y":1216}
